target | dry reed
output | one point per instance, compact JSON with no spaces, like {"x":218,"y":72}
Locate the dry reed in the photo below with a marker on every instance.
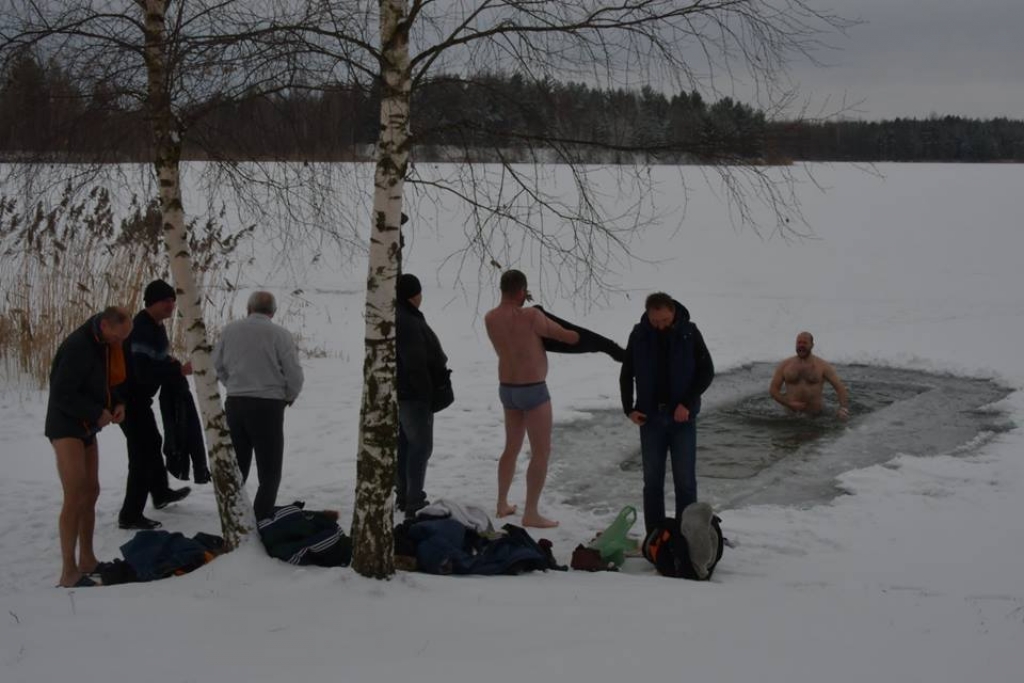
{"x":60,"y":264}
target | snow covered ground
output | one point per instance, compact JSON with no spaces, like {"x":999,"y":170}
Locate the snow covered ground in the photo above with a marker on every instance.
{"x":914,"y":576}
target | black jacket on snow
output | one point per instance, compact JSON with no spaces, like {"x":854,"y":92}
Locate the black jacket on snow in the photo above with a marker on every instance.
{"x":672,"y":367}
{"x":148,"y":359}
{"x":79,"y":384}
{"x":421,"y":360}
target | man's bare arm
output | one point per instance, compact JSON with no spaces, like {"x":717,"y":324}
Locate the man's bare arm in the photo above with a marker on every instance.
{"x":832,"y":378}
{"x":546,"y":327}
{"x":775,"y":389}
{"x":488,"y":325}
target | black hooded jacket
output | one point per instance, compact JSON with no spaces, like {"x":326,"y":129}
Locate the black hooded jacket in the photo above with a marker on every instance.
{"x":671,"y":367}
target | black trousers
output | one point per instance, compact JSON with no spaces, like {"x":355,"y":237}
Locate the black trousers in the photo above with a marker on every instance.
{"x":147,"y":475}
{"x":257,"y":425}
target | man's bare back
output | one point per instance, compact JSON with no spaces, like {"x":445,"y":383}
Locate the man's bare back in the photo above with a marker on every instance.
{"x":804,"y":376}
{"x":517,"y":334}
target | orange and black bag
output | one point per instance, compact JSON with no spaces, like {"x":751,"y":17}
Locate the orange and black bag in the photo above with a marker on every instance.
{"x":665,"y":547}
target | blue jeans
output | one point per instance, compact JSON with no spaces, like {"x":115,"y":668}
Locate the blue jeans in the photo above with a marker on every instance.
{"x":415,"y":444}
{"x":660,"y":436}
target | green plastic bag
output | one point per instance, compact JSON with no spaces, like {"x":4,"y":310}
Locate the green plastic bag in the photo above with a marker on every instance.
{"x":614,"y":542}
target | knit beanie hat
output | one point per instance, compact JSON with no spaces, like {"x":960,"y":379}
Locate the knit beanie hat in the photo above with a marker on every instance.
{"x":158,"y":290}
{"x":408,"y":286}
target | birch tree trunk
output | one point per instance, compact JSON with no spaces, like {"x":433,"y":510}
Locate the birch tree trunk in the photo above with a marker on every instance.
{"x":373,"y":543}
{"x":236,"y":515}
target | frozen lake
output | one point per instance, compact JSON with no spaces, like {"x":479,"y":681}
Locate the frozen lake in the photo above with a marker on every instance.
{"x":751,"y":451}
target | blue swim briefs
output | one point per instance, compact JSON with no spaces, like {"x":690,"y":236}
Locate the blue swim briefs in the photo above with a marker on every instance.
{"x":523,"y":396}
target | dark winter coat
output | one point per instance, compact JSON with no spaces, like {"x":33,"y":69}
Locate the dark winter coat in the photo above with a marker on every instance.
{"x":80,"y":384}
{"x":689,"y":370}
{"x":183,"y":431}
{"x":422,"y":363}
{"x":150,"y":364}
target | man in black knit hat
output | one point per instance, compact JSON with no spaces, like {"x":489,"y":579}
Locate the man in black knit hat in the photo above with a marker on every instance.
{"x":149,"y":364}
{"x":422,"y":377}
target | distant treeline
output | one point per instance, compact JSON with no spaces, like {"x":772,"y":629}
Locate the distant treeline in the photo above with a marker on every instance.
{"x":44,"y":113}
{"x":947,"y":138}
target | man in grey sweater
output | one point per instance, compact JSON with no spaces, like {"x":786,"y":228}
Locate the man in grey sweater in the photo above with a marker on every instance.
{"x":258,"y":364}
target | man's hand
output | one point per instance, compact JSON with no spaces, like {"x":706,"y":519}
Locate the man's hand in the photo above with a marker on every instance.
{"x":637,"y":418}
{"x":186,"y":369}
{"x":118,"y":416}
{"x":798,"y":406}
{"x":681,"y":414}
{"x":843,"y":413}
{"x":105,"y":418}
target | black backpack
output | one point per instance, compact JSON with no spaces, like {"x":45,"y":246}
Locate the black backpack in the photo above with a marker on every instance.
{"x":666,"y":548}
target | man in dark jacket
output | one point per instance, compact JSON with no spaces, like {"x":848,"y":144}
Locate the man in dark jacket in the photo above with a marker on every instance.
{"x":422,"y":368}
{"x":668,"y":360}
{"x":84,"y":397}
{"x":149,"y":365}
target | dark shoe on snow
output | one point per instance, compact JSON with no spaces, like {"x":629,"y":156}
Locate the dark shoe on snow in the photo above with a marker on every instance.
{"x":142,"y":523}
{"x":83,"y":582}
{"x":172,"y":496}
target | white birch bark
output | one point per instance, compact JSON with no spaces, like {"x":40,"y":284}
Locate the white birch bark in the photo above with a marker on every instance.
{"x":373,"y":544}
{"x":236,"y":515}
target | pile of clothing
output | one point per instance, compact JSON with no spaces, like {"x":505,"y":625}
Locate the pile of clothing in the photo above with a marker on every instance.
{"x":305,"y":537}
{"x":448,"y":538}
{"x":157,"y":554}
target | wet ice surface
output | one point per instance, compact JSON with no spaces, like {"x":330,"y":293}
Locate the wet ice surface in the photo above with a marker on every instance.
{"x":751,"y":451}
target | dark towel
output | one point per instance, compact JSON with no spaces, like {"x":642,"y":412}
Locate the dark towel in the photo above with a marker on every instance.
{"x":590,"y":342}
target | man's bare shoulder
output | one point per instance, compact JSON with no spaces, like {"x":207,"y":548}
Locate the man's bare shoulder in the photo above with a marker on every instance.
{"x":821,"y":364}
{"x":786,"y":362}
{"x":825,"y":367}
{"x":490,"y":321}
{"x":534,"y":313}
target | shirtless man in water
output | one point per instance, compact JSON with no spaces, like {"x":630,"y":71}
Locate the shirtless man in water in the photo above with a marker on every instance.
{"x":517,"y":334}
{"x":804,"y":376}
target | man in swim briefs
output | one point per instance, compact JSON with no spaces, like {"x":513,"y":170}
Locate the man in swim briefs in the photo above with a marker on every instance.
{"x":517,"y":335}
{"x":804,"y":376}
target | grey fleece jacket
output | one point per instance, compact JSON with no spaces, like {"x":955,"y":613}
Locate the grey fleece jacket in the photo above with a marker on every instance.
{"x":258,"y":359}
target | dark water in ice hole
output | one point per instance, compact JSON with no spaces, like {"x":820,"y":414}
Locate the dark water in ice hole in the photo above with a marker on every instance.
{"x":750,"y":451}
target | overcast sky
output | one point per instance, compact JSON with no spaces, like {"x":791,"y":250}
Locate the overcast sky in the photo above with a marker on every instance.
{"x":913,"y":58}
